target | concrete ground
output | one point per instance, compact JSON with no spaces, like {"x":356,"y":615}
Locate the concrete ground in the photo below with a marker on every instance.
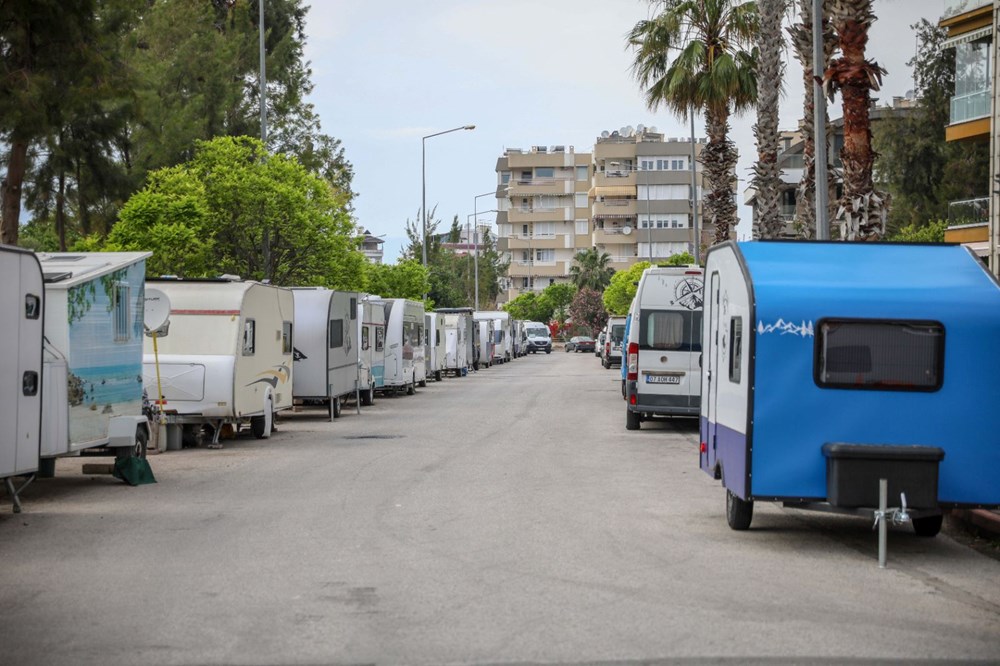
{"x":504,"y":517}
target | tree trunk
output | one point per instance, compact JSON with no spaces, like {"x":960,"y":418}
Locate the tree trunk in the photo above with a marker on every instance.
{"x":10,"y":192}
{"x":719,"y":158}
{"x":767,"y":173}
{"x":862,"y":211}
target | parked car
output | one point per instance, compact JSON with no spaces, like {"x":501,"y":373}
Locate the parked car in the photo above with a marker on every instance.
{"x":581,"y":343}
{"x":600,"y":345}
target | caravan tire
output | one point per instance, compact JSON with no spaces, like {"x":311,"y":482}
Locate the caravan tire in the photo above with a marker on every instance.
{"x":411,"y":388}
{"x":260,"y":426}
{"x":739,"y":512}
{"x":368,"y":397}
{"x":437,"y":375}
{"x":632,"y":420}
{"x":422,"y":383}
{"x":335,"y":406}
{"x":928,"y":526}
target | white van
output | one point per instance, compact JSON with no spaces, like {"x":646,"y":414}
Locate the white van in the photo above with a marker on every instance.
{"x":663,"y":372}
{"x":611,"y":352}
{"x":538,"y":337}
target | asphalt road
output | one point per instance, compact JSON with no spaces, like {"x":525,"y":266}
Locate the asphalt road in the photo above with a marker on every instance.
{"x":506,"y":517}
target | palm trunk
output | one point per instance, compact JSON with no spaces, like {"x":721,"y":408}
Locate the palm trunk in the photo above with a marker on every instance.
{"x":767,"y":173}
{"x":863,"y":209}
{"x":719,"y":158}
{"x":10,"y":192}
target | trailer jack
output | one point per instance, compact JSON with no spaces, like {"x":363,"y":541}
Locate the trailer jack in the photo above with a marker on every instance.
{"x":15,"y":500}
{"x":884,"y":515}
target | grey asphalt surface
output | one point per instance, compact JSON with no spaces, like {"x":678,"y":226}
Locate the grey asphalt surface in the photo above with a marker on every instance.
{"x":505,"y":517}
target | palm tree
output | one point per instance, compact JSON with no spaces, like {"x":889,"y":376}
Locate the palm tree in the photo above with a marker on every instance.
{"x":590,"y":269}
{"x":713,"y":72}
{"x":801,"y":36}
{"x":863,"y":209}
{"x":767,"y":175}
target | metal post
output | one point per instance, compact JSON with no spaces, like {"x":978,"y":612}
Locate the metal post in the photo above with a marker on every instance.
{"x":883,"y":527}
{"x":819,"y":121}
{"x":694,"y":195}
{"x":423,"y":185}
{"x":475,"y":236}
{"x":263,"y":77}
{"x":649,"y":221}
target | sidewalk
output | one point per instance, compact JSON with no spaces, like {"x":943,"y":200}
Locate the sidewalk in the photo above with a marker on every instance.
{"x":983,"y":521}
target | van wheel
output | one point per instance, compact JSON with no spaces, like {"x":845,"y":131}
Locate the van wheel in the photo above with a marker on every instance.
{"x":335,"y":406}
{"x":739,"y":512}
{"x":549,"y":350}
{"x":632,"y":420}
{"x":928,"y":526}
{"x":422,"y":383}
{"x":260,"y":426}
{"x":606,"y":364}
{"x":411,"y":388}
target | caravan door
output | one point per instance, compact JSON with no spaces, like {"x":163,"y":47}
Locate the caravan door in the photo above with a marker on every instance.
{"x":711,"y":357}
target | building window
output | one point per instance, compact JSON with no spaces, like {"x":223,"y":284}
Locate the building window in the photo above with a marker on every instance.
{"x":583,"y":173}
{"x":647,"y":165}
{"x":973,"y":78}
{"x":545,"y":255}
{"x":504,"y":177}
{"x":544,"y":172}
{"x":677,"y":165}
{"x":879,"y":355}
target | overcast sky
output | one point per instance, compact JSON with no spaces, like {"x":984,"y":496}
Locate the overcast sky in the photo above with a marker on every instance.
{"x":525,"y":72}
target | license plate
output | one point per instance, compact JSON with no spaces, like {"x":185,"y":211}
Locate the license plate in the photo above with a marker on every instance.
{"x":663,"y":379}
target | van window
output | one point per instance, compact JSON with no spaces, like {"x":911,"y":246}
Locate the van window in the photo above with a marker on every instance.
{"x":249,"y":337}
{"x":670,"y":330}
{"x":617,"y":333}
{"x":336,"y":333}
{"x":286,"y":337}
{"x":736,"y":349}
{"x":879,"y":355}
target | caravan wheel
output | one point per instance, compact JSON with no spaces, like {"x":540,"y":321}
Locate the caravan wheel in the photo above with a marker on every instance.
{"x":138,"y":449}
{"x":335,"y":406}
{"x":437,"y":375}
{"x":368,"y":397}
{"x":739,"y":512}
{"x":928,"y":526}
{"x":411,"y":388}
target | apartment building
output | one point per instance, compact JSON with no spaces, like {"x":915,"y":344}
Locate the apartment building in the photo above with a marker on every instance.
{"x":972,"y":32}
{"x":630,"y":197}
{"x":543,"y":216}
{"x":641,"y":196}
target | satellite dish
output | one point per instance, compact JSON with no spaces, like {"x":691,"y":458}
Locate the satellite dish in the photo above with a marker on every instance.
{"x":629,"y":130}
{"x":653,"y":129}
{"x":623,"y":131}
{"x":640,"y":128}
{"x":156,"y":310}
{"x":605,"y":134}
{"x":626,"y":230}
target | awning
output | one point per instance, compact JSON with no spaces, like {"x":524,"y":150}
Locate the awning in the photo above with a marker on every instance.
{"x":966,"y":37}
{"x":612,"y":191}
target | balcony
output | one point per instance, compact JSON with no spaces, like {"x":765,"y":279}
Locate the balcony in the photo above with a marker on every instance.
{"x":531,"y":187}
{"x":969,"y":211}
{"x":614,"y":208}
{"x":536,"y":242}
{"x":536,"y":214}
{"x":957,"y":7}
{"x":613,"y":236}
{"x":613,"y":177}
{"x":970,"y":107}
{"x":529,"y":268}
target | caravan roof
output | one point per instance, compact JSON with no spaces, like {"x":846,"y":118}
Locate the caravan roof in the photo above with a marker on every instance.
{"x":63,"y":270}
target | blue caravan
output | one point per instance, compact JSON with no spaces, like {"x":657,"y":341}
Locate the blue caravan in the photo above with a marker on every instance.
{"x":829,"y":366}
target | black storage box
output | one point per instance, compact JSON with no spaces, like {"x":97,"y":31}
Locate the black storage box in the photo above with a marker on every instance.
{"x":853,"y":472}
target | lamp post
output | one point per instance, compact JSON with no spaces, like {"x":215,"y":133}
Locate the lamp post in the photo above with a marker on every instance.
{"x":694,"y":195}
{"x":475,"y":213}
{"x":263,"y":78}
{"x":475,"y":242}
{"x":423,"y":181}
{"x":819,"y":123}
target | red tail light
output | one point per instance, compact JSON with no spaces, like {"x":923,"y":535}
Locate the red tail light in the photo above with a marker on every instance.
{"x":633,"y":361}
{"x":632,"y":399}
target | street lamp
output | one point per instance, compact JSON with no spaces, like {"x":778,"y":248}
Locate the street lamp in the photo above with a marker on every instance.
{"x":423,"y":180}
{"x":475,"y":212}
{"x":475,"y":242}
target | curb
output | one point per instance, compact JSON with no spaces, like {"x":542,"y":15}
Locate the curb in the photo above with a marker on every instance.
{"x":983,"y":521}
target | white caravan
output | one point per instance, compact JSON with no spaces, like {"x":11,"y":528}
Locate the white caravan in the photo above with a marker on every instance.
{"x":434,"y":344}
{"x":92,"y":374}
{"x":371,"y":332}
{"x":21,"y":302}
{"x":227,"y":358}
{"x":502,"y":336}
{"x":486,"y":335}
{"x":663,"y":372}
{"x":327,"y":348}
{"x":520,"y":339}
{"x":460,"y":332}
{"x":404,"y":345}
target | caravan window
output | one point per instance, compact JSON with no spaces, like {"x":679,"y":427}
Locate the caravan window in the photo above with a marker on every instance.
{"x":354,"y":308}
{"x":879,"y":355}
{"x":365,"y":337}
{"x":676,"y":330}
{"x":286,"y":337}
{"x":249,"y":337}
{"x":336,"y":333}
{"x":120,"y":301}
{"x":379,"y":338}
{"x":736,"y":349}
